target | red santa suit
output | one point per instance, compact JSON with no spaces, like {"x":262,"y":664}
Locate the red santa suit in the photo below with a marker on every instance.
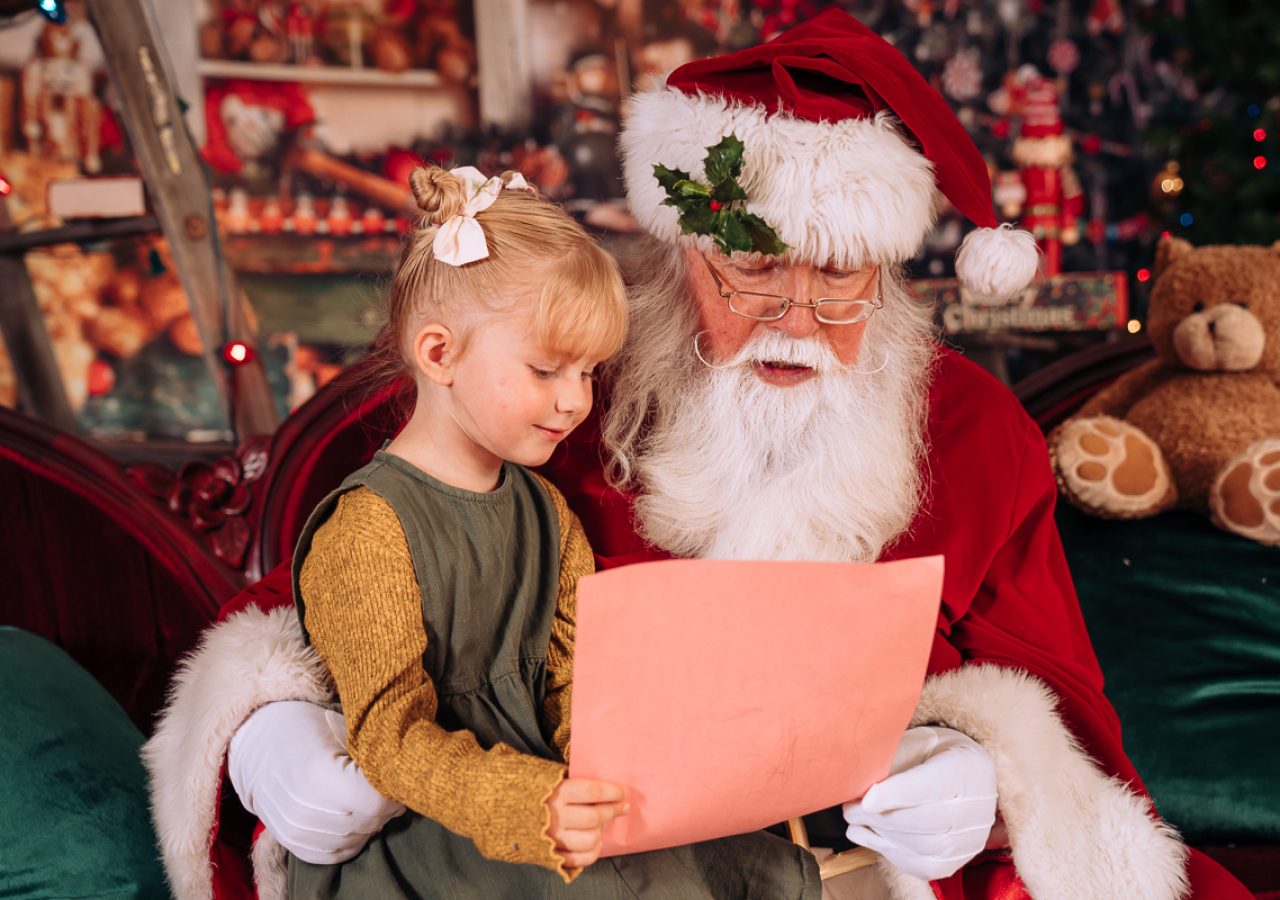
{"x":1011,"y":666}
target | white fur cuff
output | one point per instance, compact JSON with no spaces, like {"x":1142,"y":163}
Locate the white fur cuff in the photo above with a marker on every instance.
{"x":1076,"y":834}
{"x":251,"y":659}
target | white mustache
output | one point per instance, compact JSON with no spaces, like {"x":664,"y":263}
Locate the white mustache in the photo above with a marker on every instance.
{"x":776,"y":347}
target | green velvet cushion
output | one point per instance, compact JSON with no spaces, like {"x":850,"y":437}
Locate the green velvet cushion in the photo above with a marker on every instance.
{"x":1186,"y":623}
{"x":73,"y":793}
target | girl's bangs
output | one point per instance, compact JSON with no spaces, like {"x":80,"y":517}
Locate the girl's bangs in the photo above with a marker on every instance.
{"x":582,"y":310}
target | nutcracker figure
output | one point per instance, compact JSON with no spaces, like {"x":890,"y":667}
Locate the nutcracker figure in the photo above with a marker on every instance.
{"x":61,"y":115}
{"x":1043,"y":153}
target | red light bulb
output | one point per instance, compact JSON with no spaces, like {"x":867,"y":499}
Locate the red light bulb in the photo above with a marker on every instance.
{"x":237,"y":353}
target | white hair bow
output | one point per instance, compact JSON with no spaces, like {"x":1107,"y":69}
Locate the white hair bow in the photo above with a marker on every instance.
{"x":460,"y":239}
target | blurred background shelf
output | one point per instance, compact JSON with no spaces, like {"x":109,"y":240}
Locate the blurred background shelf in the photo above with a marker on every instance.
{"x":334,"y":75}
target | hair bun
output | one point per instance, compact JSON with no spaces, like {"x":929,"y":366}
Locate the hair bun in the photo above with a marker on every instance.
{"x":438,"y":193}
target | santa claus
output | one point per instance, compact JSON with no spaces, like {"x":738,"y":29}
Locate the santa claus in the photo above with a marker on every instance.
{"x":779,"y":400}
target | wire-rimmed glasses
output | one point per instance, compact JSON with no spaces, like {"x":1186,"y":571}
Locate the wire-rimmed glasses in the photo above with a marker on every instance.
{"x":772,"y":307}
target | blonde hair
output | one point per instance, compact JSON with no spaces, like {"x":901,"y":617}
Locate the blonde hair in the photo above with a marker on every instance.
{"x":581,"y":307}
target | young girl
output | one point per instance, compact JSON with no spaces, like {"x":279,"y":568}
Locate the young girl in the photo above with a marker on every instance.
{"x":438,"y":582}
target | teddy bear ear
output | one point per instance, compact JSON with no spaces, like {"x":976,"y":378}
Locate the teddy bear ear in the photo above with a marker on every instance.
{"x":1275,"y":248}
{"x":1169,"y":250}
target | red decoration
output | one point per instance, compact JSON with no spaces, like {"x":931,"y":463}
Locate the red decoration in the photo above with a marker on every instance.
{"x":1064,"y":56}
{"x":340,"y":218}
{"x":1091,"y":144}
{"x":102,"y":378}
{"x":1144,"y":275}
{"x":372,"y":220}
{"x":1259,"y":162}
{"x":237,"y":353}
{"x":399,"y":163}
{"x":211,"y":499}
{"x":271,"y":219}
{"x":1105,"y":15}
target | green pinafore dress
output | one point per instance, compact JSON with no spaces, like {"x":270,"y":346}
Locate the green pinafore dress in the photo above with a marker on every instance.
{"x":488,"y":568}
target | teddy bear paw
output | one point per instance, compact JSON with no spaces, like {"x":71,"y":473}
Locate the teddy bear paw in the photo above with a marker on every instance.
{"x":1108,"y":467}
{"x":1246,"y":495}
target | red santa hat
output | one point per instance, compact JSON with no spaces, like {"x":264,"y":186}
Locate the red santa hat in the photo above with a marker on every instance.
{"x":848,"y":152}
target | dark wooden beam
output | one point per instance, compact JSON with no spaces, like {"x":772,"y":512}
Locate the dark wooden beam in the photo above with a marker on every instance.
{"x":41,"y":391}
{"x":78,"y":233}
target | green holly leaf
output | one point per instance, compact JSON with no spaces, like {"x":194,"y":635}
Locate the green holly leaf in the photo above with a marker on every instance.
{"x":700,"y":219}
{"x":763,"y":238}
{"x":724,"y":160}
{"x":733,"y":236}
{"x":727,"y":191}
{"x":668,"y":178}
{"x":688,"y":188}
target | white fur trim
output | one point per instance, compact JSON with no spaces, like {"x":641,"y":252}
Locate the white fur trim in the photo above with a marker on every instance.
{"x":901,"y":885}
{"x":270,"y":868}
{"x":996,"y":263}
{"x":251,"y":659}
{"x":1076,"y":834}
{"x":847,"y":193}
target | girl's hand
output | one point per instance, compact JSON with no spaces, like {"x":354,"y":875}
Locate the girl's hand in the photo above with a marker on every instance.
{"x":580,"y":808}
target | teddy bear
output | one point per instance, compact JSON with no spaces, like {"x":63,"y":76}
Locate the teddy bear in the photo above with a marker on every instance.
{"x":1198,"y":427}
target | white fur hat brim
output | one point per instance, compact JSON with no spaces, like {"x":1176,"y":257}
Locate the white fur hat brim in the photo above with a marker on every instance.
{"x":849,"y":193}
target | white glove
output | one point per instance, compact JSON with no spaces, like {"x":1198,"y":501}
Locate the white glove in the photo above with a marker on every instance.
{"x":289,"y":765}
{"x":934,"y":811}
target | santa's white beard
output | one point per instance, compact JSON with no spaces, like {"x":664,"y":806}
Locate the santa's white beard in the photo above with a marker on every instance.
{"x":828,"y":469}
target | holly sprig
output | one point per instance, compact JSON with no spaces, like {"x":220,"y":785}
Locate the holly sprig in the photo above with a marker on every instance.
{"x":715,"y":209}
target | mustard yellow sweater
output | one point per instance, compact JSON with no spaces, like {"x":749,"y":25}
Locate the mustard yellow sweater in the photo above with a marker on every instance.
{"x":364,"y":615}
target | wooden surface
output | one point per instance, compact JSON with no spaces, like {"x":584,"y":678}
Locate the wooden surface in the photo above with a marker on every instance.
{"x":836,"y":863}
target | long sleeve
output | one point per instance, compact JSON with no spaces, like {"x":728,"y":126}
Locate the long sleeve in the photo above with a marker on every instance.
{"x":364,"y":615}
{"x":576,"y":560}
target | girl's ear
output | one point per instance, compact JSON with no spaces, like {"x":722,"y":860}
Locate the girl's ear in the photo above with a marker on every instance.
{"x":434,"y":352}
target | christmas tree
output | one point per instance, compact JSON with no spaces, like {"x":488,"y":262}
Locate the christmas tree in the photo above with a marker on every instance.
{"x":1222,"y":181}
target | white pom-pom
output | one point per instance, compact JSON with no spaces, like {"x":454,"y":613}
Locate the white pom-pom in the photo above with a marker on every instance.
{"x":996,"y":263}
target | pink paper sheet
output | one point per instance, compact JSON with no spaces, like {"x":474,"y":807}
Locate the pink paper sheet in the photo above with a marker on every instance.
{"x":729,"y":696}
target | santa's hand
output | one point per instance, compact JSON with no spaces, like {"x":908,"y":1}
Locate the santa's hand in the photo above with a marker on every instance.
{"x":934,"y":811}
{"x":288,"y":763}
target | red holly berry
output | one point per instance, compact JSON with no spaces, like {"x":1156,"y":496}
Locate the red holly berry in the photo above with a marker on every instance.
{"x":1001,"y":128}
{"x":1091,"y":144}
{"x":716,"y":205}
